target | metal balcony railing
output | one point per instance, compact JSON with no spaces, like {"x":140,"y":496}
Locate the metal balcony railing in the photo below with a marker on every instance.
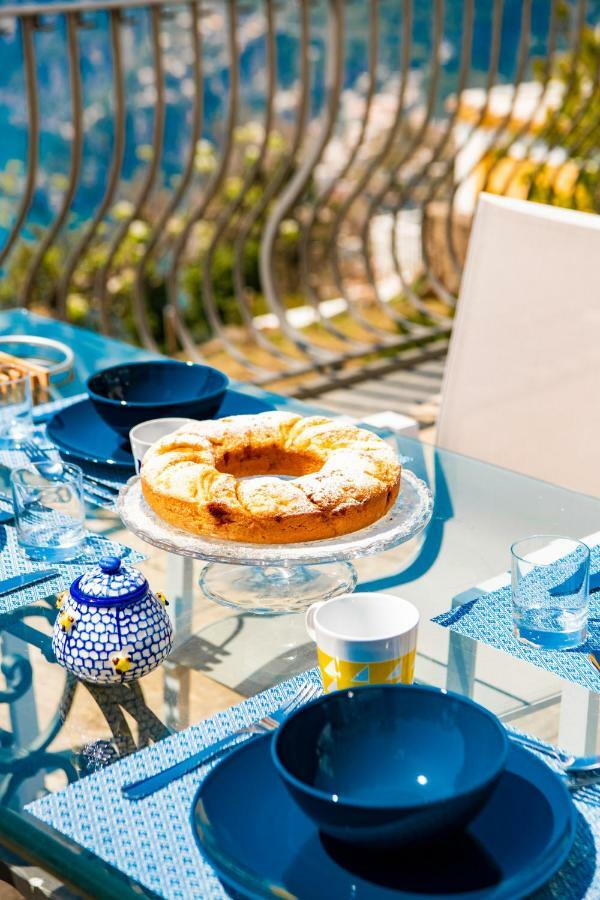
{"x":285,"y":188}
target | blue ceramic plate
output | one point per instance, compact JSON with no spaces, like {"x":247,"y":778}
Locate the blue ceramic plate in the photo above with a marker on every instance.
{"x":83,"y":436}
{"x":262,"y":845}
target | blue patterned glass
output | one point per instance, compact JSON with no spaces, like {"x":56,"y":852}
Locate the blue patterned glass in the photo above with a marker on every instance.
{"x":550,"y":587}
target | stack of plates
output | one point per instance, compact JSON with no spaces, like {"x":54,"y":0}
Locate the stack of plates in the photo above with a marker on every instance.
{"x":83,"y":437}
{"x":262,"y":845}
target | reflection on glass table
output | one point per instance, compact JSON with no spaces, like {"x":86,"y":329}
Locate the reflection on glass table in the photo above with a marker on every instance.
{"x":54,"y":730}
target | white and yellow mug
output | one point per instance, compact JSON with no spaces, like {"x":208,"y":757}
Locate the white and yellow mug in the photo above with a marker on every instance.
{"x":364,"y":639}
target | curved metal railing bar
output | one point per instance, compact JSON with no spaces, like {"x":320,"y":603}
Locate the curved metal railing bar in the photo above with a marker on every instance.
{"x":53,"y":230}
{"x":527,"y":126}
{"x":417,"y":179}
{"x":384,"y":336}
{"x":521,"y":65}
{"x":101,"y":285}
{"x":172,"y":311}
{"x":583,"y":137}
{"x":273,"y":186}
{"x":515,"y":136}
{"x":311,"y":282}
{"x":491,"y":76}
{"x":80,"y":248}
{"x":299,"y":181}
{"x":553,"y":134}
{"x":231,"y":209}
{"x":33,"y":134}
{"x":33,"y":10}
{"x":423,"y":173}
{"x":391,"y":179}
{"x":390,"y":183}
{"x":546,"y":133}
{"x":139,"y":299}
{"x":517,"y":133}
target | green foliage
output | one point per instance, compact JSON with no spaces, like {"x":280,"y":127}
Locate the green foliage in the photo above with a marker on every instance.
{"x":128,"y":264}
{"x":574,"y":128}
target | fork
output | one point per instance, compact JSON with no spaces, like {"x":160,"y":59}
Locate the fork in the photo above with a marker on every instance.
{"x":569,"y":763}
{"x":137,"y":790}
{"x":49,"y":465}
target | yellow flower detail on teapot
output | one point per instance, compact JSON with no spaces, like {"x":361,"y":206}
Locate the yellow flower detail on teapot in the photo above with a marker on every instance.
{"x":121,"y":661}
{"x":67,"y":620}
{"x":61,"y":599}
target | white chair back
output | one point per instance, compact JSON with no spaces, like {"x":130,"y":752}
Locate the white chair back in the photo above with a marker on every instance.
{"x":522,"y":382}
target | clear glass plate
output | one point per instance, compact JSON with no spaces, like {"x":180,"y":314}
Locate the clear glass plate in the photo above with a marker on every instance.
{"x":409,"y":515}
{"x":271,"y":579}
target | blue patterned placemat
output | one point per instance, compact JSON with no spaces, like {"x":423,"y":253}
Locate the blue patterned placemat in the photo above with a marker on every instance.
{"x":14,"y":562}
{"x":151,"y":840}
{"x":488,"y":618}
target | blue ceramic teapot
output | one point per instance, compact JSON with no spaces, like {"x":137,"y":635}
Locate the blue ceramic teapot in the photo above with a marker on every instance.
{"x":111,"y":627}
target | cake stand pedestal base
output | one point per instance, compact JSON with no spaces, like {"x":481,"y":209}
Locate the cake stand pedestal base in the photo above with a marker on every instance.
{"x":274,"y":590}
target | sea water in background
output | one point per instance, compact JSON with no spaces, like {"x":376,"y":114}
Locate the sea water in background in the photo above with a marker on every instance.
{"x":96,"y":66}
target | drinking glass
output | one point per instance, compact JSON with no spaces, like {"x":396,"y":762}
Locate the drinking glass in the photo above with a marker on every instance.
{"x":16,"y":423}
{"x":49,"y":512}
{"x":550,"y":590}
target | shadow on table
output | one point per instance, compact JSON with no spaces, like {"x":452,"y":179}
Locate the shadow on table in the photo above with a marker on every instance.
{"x":433,"y":534}
{"x":202,"y":654}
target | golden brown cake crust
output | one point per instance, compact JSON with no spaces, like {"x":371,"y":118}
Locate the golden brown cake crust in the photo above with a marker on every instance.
{"x":198,"y":478}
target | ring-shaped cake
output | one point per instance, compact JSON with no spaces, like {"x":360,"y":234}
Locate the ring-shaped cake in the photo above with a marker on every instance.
{"x":218,"y":478}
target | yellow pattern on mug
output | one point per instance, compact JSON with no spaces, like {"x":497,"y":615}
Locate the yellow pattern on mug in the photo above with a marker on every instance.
{"x":338,"y":674}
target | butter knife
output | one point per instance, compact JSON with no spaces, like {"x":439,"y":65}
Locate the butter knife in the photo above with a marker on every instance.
{"x":20,"y":581}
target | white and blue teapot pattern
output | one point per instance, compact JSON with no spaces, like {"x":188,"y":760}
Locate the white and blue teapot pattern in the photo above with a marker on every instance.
{"x":110,"y":626}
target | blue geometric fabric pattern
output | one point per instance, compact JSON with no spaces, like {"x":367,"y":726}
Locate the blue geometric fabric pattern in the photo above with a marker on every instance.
{"x":488,"y":619}
{"x":151,"y":840}
{"x":14,"y":562}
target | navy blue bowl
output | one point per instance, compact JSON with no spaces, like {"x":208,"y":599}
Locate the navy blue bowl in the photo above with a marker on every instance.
{"x":128,"y":394}
{"x":390,"y":764}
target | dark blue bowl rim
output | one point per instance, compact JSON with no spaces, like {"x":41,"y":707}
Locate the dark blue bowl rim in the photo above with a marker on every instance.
{"x":249,"y":884}
{"x":123,"y":404}
{"x":347,"y":803}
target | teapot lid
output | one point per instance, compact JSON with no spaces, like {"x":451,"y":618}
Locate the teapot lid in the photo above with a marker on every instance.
{"x":110,"y":582}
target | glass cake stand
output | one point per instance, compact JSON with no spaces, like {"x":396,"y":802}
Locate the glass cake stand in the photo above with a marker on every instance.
{"x":281,"y":578}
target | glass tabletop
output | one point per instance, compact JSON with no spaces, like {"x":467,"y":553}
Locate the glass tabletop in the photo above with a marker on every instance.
{"x":54,"y":730}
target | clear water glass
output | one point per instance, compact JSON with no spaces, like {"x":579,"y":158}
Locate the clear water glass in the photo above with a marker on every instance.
{"x":49,"y":511}
{"x":16,"y":422}
{"x":550,"y":591}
